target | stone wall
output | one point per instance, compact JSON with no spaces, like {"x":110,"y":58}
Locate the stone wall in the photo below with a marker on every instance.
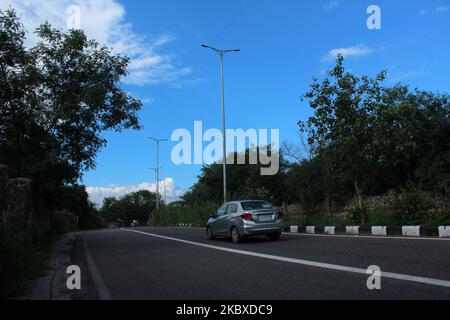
{"x":16,"y":200}
{"x":371,"y":202}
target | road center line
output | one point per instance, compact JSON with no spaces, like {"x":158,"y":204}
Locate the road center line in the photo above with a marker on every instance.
{"x":391,"y":275}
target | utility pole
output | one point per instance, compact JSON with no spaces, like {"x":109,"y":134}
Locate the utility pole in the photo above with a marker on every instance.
{"x":165,"y":198}
{"x":221,"y":54}
{"x":157,"y":169}
{"x":156,"y":181}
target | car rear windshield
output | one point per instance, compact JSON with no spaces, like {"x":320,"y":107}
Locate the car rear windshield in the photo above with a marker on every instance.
{"x":254,"y":205}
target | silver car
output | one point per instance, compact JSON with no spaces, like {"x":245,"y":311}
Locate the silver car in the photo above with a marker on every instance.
{"x":240,"y":219}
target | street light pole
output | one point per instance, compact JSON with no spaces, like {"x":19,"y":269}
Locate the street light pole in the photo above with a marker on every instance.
{"x":156,"y":180}
{"x":221,"y":54}
{"x":165,"y":199}
{"x":157,"y":169}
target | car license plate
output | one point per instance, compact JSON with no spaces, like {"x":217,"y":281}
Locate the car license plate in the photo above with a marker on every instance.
{"x":265,"y":218}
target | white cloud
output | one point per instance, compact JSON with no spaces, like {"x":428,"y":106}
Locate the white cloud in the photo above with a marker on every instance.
{"x":330,"y":5}
{"x":424,"y":68}
{"x":173,"y":191}
{"x":349,"y":52}
{"x":104,"y":20}
{"x":442,"y":9}
{"x":399,"y":77}
{"x":439,"y":9}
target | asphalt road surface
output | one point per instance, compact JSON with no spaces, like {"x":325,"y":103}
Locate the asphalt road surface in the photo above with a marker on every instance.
{"x":177,"y":263}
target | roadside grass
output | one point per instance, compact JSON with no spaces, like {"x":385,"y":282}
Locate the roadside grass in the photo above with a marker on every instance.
{"x":315,"y":219}
{"x":24,"y":256}
{"x":172,"y":216}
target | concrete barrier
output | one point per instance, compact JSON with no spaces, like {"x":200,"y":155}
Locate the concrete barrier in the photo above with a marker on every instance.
{"x":311,"y":230}
{"x":293,"y":229}
{"x":444,"y":231}
{"x":379,"y":231}
{"x":352,"y":230}
{"x":411,"y":231}
{"x":329,"y":230}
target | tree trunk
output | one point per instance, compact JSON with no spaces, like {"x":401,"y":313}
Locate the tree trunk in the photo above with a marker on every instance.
{"x":360,"y":201}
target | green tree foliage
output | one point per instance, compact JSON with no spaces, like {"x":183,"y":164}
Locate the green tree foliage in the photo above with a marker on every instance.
{"x":75,"y":199}
{"x":133,"y":206}
{"x":363,"y":139}
{"x":311,"y":183}
{"x":378,"y":138}
{"x":244,"y":181}
{"x":56,"y":99}
{"x":346,"y":109}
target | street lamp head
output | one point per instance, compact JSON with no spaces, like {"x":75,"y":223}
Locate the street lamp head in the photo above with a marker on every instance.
{"x":234,"y":50}
{"x":209,"y":47}
{"x":157,"y":140}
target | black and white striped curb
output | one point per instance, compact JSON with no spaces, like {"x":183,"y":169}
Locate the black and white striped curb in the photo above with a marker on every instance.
{"x":407,"y":231}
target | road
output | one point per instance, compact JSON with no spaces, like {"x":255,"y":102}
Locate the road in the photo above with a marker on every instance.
{"x":180,"y":263}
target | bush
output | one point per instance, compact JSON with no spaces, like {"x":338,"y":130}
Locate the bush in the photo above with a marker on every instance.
{"x":353,"y":213}
{"x":315,"y":219}
{"x":381,"y":216}
{"x":436,"y":217}
{"x":21,"y":259}
{"x":24,"y":254}
{"x":171,"y":216}
{"x":410,"y":207}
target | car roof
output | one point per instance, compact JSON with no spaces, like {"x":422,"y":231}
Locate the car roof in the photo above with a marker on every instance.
{"x":239,"y":201}
{"x":250,"y":200}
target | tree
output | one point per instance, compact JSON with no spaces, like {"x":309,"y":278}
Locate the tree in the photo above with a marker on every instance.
{"x":379,"y":137}
{"x":244,"y":181}
{"x":56,"y":100}
{"x":132,"y":206}
{"x":346,"y":108}
{"x":75,"y":199}
{"x":58,"y":97}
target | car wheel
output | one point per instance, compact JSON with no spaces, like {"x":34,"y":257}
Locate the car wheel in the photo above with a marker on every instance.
{"x":274,"y":236}
{"x":210,"y":234}
{"x":235,"y":235}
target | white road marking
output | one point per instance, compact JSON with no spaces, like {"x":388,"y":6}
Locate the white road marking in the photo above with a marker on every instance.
{"x":98,"y":280}
{"x":391,"y":275}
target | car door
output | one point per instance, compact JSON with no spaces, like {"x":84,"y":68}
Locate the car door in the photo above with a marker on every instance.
{"x":219,"y":220}
{"x":228,"y":219}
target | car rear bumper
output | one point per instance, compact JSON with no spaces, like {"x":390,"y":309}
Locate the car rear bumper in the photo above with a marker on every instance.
{"x":259,"y":229}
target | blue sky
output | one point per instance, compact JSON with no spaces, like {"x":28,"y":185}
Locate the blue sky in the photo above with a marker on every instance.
{"x":284,"y":44}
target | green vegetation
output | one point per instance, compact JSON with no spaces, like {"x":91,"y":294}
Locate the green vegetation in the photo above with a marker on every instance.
{"x":133,"y":206}
{"x":177,"y":213}
{"x":363,"y":140}
{"x":56,"y":99}
{"x":24,"y":254}
{"x":22,"y":259}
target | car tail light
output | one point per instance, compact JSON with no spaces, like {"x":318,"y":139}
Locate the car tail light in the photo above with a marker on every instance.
{"x":247,"y":216}
{"x":280,"y":215}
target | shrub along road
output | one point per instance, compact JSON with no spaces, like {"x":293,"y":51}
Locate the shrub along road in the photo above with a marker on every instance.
{"x":177,"y":263}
